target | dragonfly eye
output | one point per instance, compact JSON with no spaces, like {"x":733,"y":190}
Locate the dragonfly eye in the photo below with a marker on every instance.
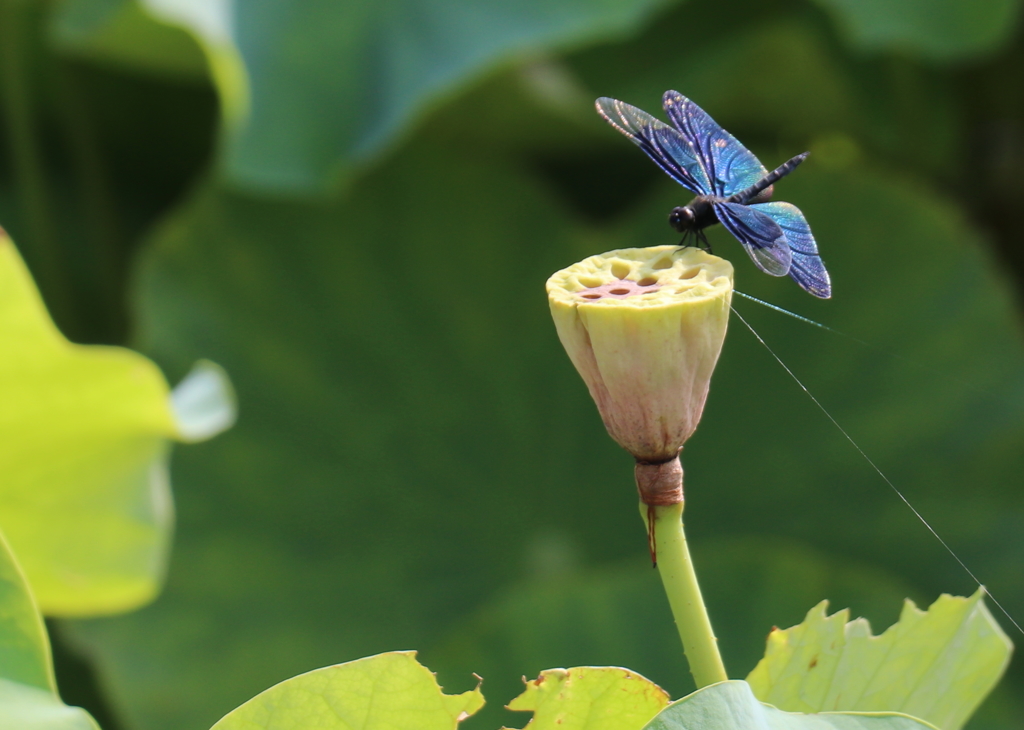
{"x":681,"y":219}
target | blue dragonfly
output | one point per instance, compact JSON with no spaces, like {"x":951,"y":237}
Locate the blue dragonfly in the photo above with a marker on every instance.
{"x":732,"y":188}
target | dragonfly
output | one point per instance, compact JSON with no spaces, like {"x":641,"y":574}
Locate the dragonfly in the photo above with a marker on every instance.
{"x":731,"y":186}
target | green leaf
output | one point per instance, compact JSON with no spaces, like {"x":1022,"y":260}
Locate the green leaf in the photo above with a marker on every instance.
{"x":84,"y":500}
{"x":124,"y":34}
{"x":385,"y":692}
{"x":732,"y":706}
{"x":937,"y":664}
{"x":312,"y":91}
{"x":940,"y":30}
{"x":590,"y":698}
{"x":28,"y":694}
{"x":29,"y":708}
{"x":24,"y":645}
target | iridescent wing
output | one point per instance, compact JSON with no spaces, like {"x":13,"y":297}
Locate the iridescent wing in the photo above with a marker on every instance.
{"x":762,"y":238}
{"x":807,"y":269}
{"x":729,"y":165}
{"x":662,"y":143}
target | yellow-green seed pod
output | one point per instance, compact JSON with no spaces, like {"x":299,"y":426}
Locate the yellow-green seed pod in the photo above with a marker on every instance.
{"x":644,"y":327}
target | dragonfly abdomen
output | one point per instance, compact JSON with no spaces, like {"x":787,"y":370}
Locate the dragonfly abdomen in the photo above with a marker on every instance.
{"x":747,"y":195}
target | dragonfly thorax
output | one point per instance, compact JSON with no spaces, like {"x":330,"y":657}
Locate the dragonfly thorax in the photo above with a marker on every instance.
{"x":696,"y":215}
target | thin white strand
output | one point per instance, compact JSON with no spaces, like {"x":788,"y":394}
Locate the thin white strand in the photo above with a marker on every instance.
{"x":877,"y":470}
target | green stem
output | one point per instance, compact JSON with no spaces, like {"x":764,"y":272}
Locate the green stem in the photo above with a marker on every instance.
{"x":16,"y":28}
{"x":680,"y":581}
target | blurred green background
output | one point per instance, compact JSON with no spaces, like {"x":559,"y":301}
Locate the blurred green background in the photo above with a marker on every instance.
{"x":353,"y":208}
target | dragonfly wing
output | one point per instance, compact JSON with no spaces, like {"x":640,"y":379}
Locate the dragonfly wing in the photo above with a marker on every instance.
{"x":808,"y":270}
{"x":669,"y":149}
{"x":763,"y":238}
{"x":729,"y":165}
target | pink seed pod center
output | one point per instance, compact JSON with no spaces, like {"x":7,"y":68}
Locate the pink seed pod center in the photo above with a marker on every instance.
{"x":620,"y":289}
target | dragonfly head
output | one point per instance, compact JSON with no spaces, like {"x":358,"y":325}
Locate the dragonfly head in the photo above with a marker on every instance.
{"x":682,"y":219}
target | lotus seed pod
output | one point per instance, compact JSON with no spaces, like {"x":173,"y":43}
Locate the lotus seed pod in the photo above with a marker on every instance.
{"x":644,"y":327}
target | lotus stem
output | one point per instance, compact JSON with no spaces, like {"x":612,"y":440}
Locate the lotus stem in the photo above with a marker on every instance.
{"x":668,"y":545}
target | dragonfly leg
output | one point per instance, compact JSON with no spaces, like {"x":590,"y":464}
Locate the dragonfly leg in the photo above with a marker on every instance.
{"x":703,"y":241}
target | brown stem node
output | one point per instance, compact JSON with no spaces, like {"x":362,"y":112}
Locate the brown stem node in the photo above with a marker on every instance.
{"x":660,"y":485}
